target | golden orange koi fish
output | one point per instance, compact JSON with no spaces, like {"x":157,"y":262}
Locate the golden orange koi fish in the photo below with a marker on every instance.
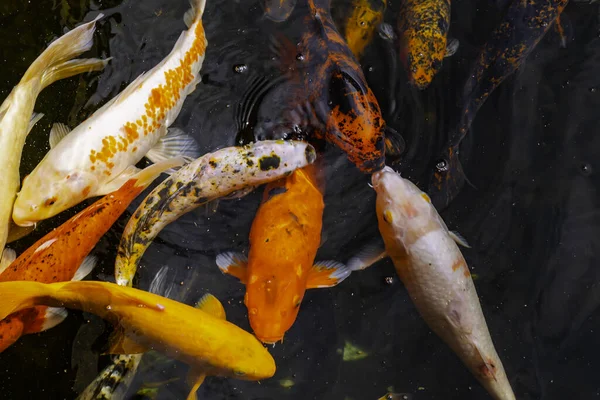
{"x":199,"y":337}
{"x":284,"y":239}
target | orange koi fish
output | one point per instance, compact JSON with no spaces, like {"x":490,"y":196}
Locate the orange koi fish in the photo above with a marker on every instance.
{"x":324,"y":94}
{"x":284,"y":239}
{"x":423,"y":28}
{"x":61,"y":254}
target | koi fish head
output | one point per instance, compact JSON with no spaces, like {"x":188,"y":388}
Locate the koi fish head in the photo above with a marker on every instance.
{"x":49,"y":192}
{"x":403,"y":210}
{"x":273,"y":304}
{"x":355,"y":123}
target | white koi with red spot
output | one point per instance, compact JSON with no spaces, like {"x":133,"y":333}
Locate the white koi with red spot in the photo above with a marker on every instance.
{"x":99,"y":155}
{"x":436,"y":276}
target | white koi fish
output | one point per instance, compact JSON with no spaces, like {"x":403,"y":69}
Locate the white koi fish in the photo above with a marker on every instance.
{"x":436,"y":276}
{"x":99,"y":155}
{"x":16,"y":112}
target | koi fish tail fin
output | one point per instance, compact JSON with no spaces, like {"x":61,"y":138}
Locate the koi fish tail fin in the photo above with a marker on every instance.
{"x":19,"y":295}
{"x":490,"y":372}
{"x":56,"y":62}
{"x":194,"y":13}
{"x":447,"y":179}
{"x":146,"y":176}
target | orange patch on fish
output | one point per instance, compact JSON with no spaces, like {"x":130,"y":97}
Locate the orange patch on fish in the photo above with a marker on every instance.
{"x":161,"y":100}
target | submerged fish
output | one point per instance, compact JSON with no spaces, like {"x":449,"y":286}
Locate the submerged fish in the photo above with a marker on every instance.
{"x":16,"y":112}
{"x":523,"y":26}
{"x":422,"y":38}
{"x":436,"y":276}
{"x":278,"y":10}
{"x":324,"y":94}
{"x":284,"y":239}
{"x":361,"y":24}
{"x":61,"y":254}
{"x":199,"y":337}
{"x":233,"y":171}
{"x":97,"y":157}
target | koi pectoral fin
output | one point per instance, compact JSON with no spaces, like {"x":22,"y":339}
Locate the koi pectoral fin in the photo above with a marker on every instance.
{"x":234,"y":264}
{"x":326,"y":274}
{"x":368,"y":256}
{"x":451,"y":47}
{"x":8,"y":256}
{"x":195,"y":378}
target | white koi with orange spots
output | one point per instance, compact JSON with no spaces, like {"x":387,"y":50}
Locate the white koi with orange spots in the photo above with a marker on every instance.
{"x":436,"y":276}
{"x":98,"y":156}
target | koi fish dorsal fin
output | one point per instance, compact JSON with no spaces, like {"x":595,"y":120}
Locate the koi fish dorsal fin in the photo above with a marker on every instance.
{"x":326,"y":274}
{"x":211,"y":305}
{"x":8,"y":256}
{"x":58,"y":133}
{"x":120,"y":343}
{"x":234,"y":264}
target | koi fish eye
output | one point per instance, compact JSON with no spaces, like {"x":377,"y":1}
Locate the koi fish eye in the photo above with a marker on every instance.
{"x":50,"y":201}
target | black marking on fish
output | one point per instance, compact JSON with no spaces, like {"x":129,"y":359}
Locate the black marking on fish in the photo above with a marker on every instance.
{"x":275,"y":191}
{"x":267,"y":163}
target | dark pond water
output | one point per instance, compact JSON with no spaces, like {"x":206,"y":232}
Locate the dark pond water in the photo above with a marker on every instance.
{"x":531,"y":218}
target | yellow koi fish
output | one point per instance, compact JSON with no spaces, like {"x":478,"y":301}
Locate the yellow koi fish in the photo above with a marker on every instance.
{"x":99,"y":155}
{"x":360,"y":26}
{"x":436,"y":276}
{"x":199,"y":337}
{"x":16,"y":112}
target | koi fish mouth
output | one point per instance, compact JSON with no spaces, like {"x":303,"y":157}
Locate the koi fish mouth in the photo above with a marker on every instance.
{"x":270,"y":339}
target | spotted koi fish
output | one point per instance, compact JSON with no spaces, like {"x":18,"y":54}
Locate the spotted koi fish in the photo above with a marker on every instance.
{"x":324,"y":94}
{"x":361,"y":24}
{"x":284,"y":240}
{"x":436,"y":276}
{"x":278,"y":10}
{"x":232,"y":171}
{"x":524,"y":25}
{"x":97,"y":157}
{"x":62,"y":254}
{"x":16,"y":112}
{"x":422,"y":38}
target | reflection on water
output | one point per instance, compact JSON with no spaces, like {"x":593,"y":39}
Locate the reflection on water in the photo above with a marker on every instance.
{"x":531,"y":215}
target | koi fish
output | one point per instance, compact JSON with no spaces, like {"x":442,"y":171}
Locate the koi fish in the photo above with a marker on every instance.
{"x":199,"y":337}
{"x":233,"y":171}
{"x":325,"y":94}
{"x":422,"y":32}
{"x":16,"y":112}
{"x":278,"y":10}
{"x":284,"y":239}
{"x":97,"y":157}
{"x":361,"y":24}
{"x":62,"y":254}
{"x":436,"y":276}
{"x":524,"y":25}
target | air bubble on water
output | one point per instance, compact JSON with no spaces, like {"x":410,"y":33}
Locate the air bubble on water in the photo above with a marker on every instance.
{"x":586,"y":169}
{"x":593,"y":90}
{"x":442,"y":166}
{"x":108,"y":307}
{"x":370,"y":69}
{"x":389,"y":280}
{"x":300,"y":57}
{"x":240,"y":68}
